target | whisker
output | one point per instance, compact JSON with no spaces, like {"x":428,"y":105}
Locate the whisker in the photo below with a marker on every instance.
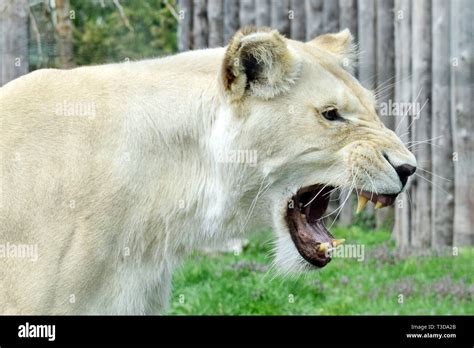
{"x":427,"y":171}
{"x":315,"y":196}
{"x":385,"y":84}
{"x":409,"y":109}
{"x":343,"y":204}
{"x":420,"y":141}
{"x":254,"y":203}
{"x":432,"y":184}
{"x":418,"y":113}
{"x":372,"y":183}
{"x":402,"y":135}
{"x":323,"y":186}
{"x":340,"y":206}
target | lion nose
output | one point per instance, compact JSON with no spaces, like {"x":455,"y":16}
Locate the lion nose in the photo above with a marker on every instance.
{"x":404,"y":171}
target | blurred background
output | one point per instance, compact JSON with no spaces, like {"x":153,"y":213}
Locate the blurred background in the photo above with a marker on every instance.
{"x":418,"y":58}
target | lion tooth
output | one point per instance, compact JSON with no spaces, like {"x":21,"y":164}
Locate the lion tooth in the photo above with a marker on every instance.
{"x":337,"y":242}
{"x":324,"y":247}
{"x":378,"y":205}
{"x":361,"y":204}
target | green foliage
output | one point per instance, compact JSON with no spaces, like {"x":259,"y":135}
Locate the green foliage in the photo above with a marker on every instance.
{"x":240,"y":285}
{"x":101,"y":34}
{"x":365,"y":218}
{"x":41,"y":42}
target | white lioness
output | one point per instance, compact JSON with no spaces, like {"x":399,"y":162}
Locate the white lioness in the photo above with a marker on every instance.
{"x":115,"y":173}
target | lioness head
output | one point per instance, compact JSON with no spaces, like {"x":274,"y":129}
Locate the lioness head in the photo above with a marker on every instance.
{"x":315,"y":129}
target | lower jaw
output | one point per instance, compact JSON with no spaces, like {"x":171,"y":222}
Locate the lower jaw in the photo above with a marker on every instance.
{"x":306,"y":227}
{"x":307,"y":246}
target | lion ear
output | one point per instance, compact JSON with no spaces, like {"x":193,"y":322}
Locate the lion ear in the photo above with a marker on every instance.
{"x":340,"y":44}
{"x":258,"y":63}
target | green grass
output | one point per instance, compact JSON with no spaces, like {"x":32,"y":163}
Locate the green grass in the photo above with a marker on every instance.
{"x":228,"y":284}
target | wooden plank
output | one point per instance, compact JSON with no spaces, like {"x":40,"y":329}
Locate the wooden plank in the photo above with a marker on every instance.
{"x":185,"y":25}
{"x":263,"y":8}
{"x":462,"y":119}
{"x":348,"y":16}
{"x":331,"y":16}
{"x":215,"y":10}
{"x":421,"y":63}
{"x":64,"y":31}
{"x":280,"y":19}
{"x":200,"y":26}
{"x":385,"y":53}
{"x":247,"y":13}
{"x":403,"y":96}
{"x":366,"y":34}
{"x":442,"y":155}
{"x":314,"y":18}
{"x":297,"y":16}
{"x":231,"y":19}
{"x":13,"y":39}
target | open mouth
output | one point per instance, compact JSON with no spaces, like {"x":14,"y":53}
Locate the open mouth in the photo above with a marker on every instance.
{"x":305,"y":215}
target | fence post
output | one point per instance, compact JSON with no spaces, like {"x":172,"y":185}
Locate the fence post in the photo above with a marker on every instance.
{"x":443,"y":173}
{"x":298,"y":20}
{"x":185,"y":25}
{"x":421,"y":60}
{"x":331,"y":16}
{"x":13,"y":39}
{"x":247,"y":13}
{"x":403,"y":96}
{"x":215,"y":9}
{"x":200,"y":26}
{"x":280,"y":19}
{"x":348,"y":16}
{"x":231,"y":19}
{"x":314,"y":18}
{"x":263,"y":9}
{"x":462,"y":119}
{"x":366,"y":34}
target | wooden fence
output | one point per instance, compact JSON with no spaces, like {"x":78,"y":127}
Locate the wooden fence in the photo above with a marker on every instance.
{"x":418,"y":56}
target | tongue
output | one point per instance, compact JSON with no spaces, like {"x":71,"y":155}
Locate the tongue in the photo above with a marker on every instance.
{"x":308,"y":238}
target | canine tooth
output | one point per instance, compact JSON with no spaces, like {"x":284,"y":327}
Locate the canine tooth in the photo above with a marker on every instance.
{"x":324,"y":247}
{"x":378,"y":205}
{"x":336,"y":242}
{"x":361,"y":203}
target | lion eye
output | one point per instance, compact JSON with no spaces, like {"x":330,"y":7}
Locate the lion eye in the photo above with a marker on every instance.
{"x":331,"y":115}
